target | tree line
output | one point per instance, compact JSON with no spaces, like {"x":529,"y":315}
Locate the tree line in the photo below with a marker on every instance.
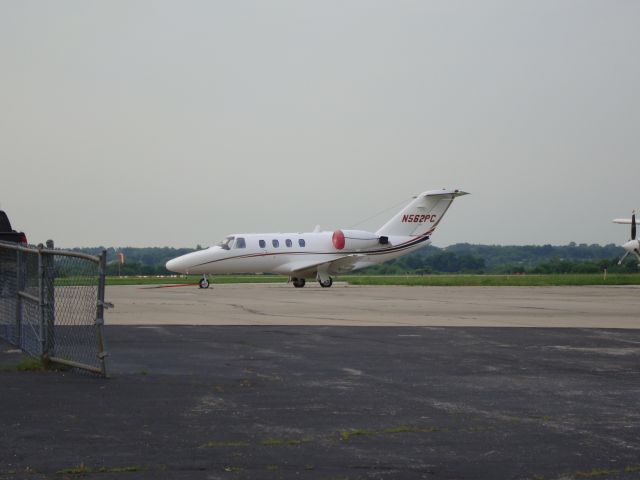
{"x":509,"y":259}
{"x":458,"y":258}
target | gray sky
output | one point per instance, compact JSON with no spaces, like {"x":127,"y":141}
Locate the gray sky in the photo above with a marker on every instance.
{"x":153,"y":123}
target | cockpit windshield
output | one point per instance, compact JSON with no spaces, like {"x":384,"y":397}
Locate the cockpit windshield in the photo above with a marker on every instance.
{"x":226,"y":243}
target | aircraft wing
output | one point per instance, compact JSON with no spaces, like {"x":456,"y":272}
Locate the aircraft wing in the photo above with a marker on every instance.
{"x":334,"y":267}
{"x":624,"y":221}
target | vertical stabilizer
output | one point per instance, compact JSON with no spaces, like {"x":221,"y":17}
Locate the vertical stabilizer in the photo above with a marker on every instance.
{"x":422,"y":215}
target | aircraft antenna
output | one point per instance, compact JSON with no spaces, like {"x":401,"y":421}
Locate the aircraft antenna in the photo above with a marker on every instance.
{"x":380,"y":213}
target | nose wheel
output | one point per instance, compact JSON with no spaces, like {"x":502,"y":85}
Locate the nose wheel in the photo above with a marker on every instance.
{"x":298,"y":282}
{"x":204,"y":282}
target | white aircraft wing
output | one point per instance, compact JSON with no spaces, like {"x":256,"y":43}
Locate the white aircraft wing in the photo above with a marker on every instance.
{"x":624,"y":221}
{"x":334,"y":267}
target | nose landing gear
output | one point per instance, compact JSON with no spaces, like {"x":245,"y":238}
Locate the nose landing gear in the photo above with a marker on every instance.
{"x":204,"y":282}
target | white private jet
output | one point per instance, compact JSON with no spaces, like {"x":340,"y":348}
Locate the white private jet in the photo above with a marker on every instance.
{"x":633,"y":245}
{"x":319,"y":254}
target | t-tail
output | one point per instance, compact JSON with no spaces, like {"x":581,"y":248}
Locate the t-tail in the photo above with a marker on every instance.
{"x":422,"y":215}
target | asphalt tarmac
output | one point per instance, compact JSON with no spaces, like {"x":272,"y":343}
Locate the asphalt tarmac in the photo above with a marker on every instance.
{"x":337,"y":402}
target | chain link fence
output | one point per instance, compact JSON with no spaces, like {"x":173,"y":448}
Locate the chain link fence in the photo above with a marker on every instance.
{"x":52,"y":304}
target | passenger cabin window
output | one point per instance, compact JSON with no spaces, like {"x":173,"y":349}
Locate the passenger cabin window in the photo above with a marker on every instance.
{"x":226,"y":243}
{"x":240,"y":243}
{"x":289,"y":242}
{"x":262,"y":243}
{"x":275,"y":243}
{"x":301,"y":242}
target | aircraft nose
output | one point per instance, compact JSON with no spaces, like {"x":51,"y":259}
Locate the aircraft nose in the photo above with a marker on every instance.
{"x":176,"y":265}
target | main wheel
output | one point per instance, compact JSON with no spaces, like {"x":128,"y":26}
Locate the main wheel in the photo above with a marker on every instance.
{"x":298,"y":282}
{"x":204,"y":283}
{"x":326,"y":283}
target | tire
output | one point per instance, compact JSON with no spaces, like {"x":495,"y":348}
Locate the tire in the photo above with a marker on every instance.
{"x":203,"y":283}
{"x":326,"y":283}
{"x":298,"y":282}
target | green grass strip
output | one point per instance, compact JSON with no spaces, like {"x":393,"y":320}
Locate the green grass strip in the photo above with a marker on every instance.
{"x":496,"y":280}
{"x":568,"y":279}
{"x":193,"y":280}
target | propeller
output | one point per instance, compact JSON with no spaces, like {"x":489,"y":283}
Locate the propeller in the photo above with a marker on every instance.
{"x":623,"y":257}
{"x":632,"y":244}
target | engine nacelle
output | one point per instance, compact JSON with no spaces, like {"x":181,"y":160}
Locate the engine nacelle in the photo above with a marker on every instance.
{"x":356,"y":239}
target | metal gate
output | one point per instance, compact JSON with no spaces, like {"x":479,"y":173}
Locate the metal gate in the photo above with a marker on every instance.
{"x":52,"y":304}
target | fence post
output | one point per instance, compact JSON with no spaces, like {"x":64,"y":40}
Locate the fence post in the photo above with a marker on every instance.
{"x":102,"y":271}
{"x":20,"y":284}
{"x":49,"y":302}
{"x":40,"y":300}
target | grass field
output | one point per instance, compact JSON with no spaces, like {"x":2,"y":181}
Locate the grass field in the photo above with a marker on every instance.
{"x":412,"y":280}
{"x":498,"y":280}
{"x":193,"y":279}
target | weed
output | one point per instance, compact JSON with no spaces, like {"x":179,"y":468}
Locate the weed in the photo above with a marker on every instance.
{"x":129,"y":469}
{"x":32,"y":365}
{"x":81,"y":469}
{"x":596,"y":472}
{"x":475,"y":429}
{"x":274,"y":442}
{"x":215,"y":444}
{"x":347,"y":434}
{"x":25,"y":471}
{"x":408,"y":429}
{"x":233,"y":469}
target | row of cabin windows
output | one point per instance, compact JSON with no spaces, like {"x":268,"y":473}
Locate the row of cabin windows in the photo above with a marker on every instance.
{"x":276,"y":243}
{"x":241,"y":243}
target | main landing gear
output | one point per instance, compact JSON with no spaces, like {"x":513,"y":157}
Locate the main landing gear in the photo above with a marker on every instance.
{"x":204,"y":282}
{"x":300,"y":282}
{"x":324,"y":279}
{"x":325,"y":282}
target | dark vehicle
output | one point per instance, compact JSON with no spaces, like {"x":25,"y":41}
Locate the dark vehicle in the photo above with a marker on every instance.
{"x":7,"y":234}
{"x":8,"y":258}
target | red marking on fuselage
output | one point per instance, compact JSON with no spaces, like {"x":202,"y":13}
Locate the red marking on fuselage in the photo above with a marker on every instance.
{"x":169,"y":286}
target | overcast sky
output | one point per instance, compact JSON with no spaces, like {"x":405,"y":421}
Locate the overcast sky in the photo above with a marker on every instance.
{"x":156,"y":123}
